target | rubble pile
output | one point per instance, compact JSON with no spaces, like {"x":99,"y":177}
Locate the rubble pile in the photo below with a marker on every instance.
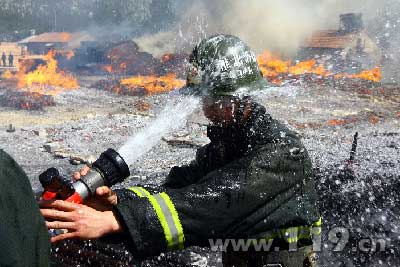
{"x":126,"y":59}
{"x":310,"y":79}
{"x":174,"y":63}
{"x":280,"y":71}
{"x":141,"y":85}
{"x":26,"y":100}
{"x":136,"y":73}
{"x":115,"y":86}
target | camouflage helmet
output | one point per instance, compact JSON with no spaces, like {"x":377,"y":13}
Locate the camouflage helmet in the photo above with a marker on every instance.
{"x":223,"y":65}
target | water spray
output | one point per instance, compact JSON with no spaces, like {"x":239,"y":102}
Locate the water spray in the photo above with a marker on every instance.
{"x":172,"y":117}
{"x":112,"y":167}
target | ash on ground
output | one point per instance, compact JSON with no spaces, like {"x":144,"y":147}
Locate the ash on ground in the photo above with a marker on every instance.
{"x":361,"y":197}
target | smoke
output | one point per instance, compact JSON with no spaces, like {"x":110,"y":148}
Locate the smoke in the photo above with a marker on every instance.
{"x":157,"y":44}
{"x":388,"y":35}
{"x":280,"y":26}
{"x":276,"y":25}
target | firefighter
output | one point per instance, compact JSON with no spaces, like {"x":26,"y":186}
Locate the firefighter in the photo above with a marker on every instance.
{"x":252,"y":183}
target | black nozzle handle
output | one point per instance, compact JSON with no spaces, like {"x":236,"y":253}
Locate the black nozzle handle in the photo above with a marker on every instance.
{"x":109,"y":169}
{"x":112,"y":166}
{"x":52,"y":181}
{"x":47,"y":177}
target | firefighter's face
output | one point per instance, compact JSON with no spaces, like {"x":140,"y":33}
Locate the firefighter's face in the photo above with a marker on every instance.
{"x":223,"y":110}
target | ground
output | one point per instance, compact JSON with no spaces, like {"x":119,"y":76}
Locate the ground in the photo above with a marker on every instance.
{"x":361,"y":196}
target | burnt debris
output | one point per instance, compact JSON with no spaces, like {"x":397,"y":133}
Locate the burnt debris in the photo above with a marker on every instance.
{"x":26,"y":100}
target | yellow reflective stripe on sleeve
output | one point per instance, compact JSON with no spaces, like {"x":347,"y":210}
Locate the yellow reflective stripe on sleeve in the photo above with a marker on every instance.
{"x":291,"y":234}
{"x":176,"y":221}
{"x":318,"y":223}
{"x":163,"y":221}
{"x":167,"y":215}
{"x":316,"y":228}
{"x":316,"y":231}
{"x":294,"y":234}
{"x":140,"y":191}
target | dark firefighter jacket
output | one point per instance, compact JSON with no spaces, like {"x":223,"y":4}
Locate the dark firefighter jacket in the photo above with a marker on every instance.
{"x":24,"y":240}
{"x":250,"y":182}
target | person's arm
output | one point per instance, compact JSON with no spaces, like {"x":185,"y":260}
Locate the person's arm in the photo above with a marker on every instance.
{"x":178,"y":177}
{"x":95,"y":218}
{"x":192,"y":215}
{"x":181,"y":176}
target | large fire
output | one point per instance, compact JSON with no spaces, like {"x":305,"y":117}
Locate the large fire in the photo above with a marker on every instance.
{"x":46,"y":75}
{"x":154,"y":84}
{"x":274,"y":69}
{"x":48,"y":79}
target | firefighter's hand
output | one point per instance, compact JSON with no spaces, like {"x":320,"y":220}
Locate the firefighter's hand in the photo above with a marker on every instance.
{"x":81,"y":221}
{"x":105,"y":198}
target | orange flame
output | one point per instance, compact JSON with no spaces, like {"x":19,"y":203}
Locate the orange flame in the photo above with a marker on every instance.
{"x":154,"y":84}
{"x":374,"y":75}
{"x":114,"y":68}
{"x":66,"y":36}
{"x":69,"y":54}
{"x":123,"y":66}
{"x":336,"y":122}
{"x":341,"y":122}
{"x":308,"y":66}
{"x":373,"y":119}
{"x":272,"y":67}
{"x":47,"y":75}
{"x":7,"y":75}
{"x":166,"y":57}
{"x":108,"y":68}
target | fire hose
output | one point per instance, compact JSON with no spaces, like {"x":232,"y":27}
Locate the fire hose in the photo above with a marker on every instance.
{"x":108,"y":170}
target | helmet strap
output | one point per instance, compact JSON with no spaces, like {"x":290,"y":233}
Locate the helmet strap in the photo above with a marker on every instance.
{"x":241,"y":109}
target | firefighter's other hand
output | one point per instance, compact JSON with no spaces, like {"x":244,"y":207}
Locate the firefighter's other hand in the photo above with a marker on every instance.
{"x":81,"y":221}
{"x":105,"y":198}
{"x":82,"y":172}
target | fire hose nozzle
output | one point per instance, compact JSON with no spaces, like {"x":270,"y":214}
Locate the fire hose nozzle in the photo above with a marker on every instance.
{"x":109,"y":169}
{"x":112,"y":166}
